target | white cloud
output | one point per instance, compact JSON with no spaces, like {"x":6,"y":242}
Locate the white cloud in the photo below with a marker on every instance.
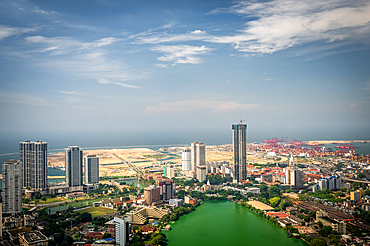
{"x":197,"y":105}
{"x":64,"y":45}
{"x":105,"y":82}
{"x":181,"y":53}
{"x":71,"y":93}
{"x":18,"y":98}
{"x":281,"y":24}
{"x":128,"y":85}
{"x":150,"y":38}
{"x":7,"y":31}
{"x":161,"y":65}
{"x":40,"y":11}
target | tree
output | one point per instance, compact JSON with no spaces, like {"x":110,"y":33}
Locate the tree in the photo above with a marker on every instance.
{"x":284,"y":204}
{"x":318,"y":242}
{"x":263,"y":187}
{"x":85,"y":217}
{"x":69,"y":240}
{"x":303,"y":197}
{"x":107,"y":235}
{"x":274,"y":201}
{"x":38,"y":195}
{"x":275,"y":189}
{"x":356,"y":185}
{"x":325,"y":231}
{"x":160,"y":239}
{"x":181,"y":193}
{"x":320,"y":224}
{"x":361,"y":176}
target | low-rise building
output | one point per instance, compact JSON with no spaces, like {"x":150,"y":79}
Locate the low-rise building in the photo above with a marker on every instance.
{"x":33,"y":238}
{"x":176,"y":202}
{"x":336,"y":225}
{"x":355,"y":196}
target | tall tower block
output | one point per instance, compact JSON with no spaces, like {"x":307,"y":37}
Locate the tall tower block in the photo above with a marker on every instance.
{"x":33,"y":157}
{"x":239,"y":132}
{"x":198,"y":155}
{"x":12,"y":187}
{"x":73,"y":166}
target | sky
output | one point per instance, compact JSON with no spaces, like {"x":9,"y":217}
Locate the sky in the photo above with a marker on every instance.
{"x":102,"y":73}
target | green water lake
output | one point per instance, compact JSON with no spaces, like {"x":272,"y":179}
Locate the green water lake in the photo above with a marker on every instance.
{"x":227,"y":223}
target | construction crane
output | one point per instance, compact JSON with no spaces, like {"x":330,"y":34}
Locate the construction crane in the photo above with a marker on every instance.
{"x":241,"y":121}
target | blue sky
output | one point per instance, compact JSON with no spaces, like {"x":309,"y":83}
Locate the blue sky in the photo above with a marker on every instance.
{"x":147,"y":72}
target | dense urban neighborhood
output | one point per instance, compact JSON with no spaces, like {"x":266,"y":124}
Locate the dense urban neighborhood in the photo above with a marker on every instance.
{"x":319,"y":195}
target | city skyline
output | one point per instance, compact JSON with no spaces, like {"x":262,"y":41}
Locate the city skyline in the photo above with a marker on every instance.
{"x":82,"y":73}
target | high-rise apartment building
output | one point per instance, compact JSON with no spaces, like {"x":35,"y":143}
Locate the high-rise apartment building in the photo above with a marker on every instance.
{"x":152,"y":194}
{"x":240,"y":152}
{"x":12,"y":187}
{"x":33,"y":158}
{"x":170,"y":172}
{"x":198,"y":155}
{"x":186,"y":159}
{"x":293,"y":176}
{"x":122,"y":230}
{"x":1,"y":221}
{"x":167,"y":190}
{"x":296,"y":179}
{"x":91,"y":169}
{"x":201,"y":173}
{"x":73,"y":156}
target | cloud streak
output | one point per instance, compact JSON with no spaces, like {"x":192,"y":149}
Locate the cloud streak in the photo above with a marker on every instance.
{"x":25,"y":99}
{"x":7,"y":31}
{"x":64,"y":45}
{"x":197,"y":105}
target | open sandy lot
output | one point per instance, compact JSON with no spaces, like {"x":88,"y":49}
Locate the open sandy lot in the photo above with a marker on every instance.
{"x":260,"y":205}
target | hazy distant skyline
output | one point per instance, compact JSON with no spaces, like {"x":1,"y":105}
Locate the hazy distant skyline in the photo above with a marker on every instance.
{"x":158,"y":72}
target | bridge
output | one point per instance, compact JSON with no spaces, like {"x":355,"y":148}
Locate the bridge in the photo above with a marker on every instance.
{"x":62,"y":164}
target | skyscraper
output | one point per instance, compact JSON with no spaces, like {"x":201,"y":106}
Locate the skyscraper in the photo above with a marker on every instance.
{"x":73,"y":166}
{"x":1,"y":221}
{"x":152,"y":194}
{"x":12,"y":187}
{"x":201,"y":173}
{"x":240,"y":151}
{"x":198,"y":155}
{"x":33,"y":157}
{"x":186,"y":159}
{"x":91,"y":169}
{"x":122,"y":230}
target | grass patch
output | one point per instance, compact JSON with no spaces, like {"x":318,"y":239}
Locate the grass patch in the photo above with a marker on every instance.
{"x":96,"y":211}
{"x":325,"y":195}
{"x":52,"y":200}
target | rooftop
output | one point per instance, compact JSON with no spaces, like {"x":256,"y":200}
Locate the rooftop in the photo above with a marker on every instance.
{"x":33,"y":237}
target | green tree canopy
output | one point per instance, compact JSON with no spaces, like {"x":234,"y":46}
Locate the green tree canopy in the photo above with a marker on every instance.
{"x":274,"y":201}
{"x":318,"y":242}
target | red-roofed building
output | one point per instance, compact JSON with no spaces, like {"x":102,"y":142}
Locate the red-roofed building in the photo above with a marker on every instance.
{"x":278,"y":215}
{"x":147,"y":229}
{"x":116,"y":204}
